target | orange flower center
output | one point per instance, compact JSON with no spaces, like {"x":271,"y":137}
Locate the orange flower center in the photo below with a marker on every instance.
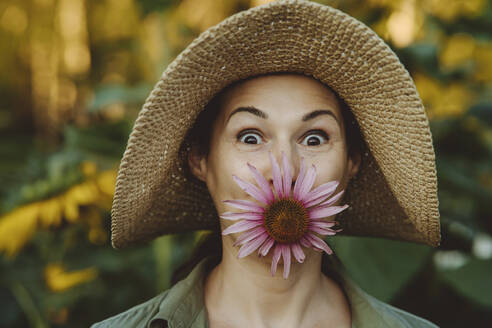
{"x":286,"y":220}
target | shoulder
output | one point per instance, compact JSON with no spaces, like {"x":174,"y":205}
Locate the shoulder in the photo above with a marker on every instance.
{"x":368,"y":311}
{"x":136,"y":317}
{"x":396,"y":317}
{"x":410,"y":320}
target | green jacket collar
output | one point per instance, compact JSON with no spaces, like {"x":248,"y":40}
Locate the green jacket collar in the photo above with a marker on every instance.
{"x":184,"y":304}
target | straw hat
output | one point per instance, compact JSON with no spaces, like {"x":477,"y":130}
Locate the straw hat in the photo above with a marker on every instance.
{"x":394,"y":194}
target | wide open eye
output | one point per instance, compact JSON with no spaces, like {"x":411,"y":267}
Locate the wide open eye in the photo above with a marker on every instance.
{"x":315,"y":138}
{"x":250,"y":137}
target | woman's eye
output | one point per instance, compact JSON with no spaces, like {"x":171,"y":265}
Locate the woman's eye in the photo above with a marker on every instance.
{"x":315,"y":139}
{"x":251,"y":138}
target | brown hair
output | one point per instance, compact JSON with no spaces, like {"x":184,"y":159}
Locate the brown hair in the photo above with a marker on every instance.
{"x":198,"y":139}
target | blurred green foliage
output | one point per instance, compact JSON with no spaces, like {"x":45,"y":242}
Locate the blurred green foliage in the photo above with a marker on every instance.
{"x":74,"y":76}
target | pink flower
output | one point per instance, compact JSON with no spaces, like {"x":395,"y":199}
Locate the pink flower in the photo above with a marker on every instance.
{"x":287,"y":219}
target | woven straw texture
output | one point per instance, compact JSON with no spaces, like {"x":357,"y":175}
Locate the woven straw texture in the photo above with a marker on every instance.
{"x":395,"y":192}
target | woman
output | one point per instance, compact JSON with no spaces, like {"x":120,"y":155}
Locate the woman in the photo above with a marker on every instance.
{"x":274,"y":78}
{"x":261,"y":115}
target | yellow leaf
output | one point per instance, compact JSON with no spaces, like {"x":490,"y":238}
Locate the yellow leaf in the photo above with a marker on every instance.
{"x":116,"y":20}
{"x":473,"y":8}
{"x":201,"y":14}
{"x":381,"y":28}
{"x":255,"y":3}
{"x":50,"y":212}
{"x":442,"y":101}
{"x":454,"y":101}
{"x":106,"y":182}
{"x":98,"y":236}
{"x":457,"y":50}
{"x":17,"y":227}
{"x":483,"y":60}
{"x":58,"y":280}
{"x":14,"y":19}
{"x":71,"y":209}
{"x":449,"y":10}
{"x":89,"y":169}
{"x":429,"y":88}
{"x":84,"y":193}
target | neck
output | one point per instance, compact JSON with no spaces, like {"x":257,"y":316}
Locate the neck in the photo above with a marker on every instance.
{"x":242,"y":292}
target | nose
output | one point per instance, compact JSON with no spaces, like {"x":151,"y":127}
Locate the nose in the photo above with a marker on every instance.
{"x":294,"y":178}
{"x":293,"y":160}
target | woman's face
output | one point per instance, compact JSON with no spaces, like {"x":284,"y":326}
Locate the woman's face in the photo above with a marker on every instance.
{"x":291,"y":113}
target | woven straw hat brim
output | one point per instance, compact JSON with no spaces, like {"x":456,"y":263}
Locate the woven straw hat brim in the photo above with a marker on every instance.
{"x":394,"y":194}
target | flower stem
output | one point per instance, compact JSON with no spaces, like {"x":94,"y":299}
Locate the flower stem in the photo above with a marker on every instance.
{"x":27,"y":305}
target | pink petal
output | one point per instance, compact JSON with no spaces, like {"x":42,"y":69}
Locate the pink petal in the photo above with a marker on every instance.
{"x":304,"y":242}
{"x":322,"y":224}
{"x":300,"y":178}
{"x":333,"y":199}
{"x":323,"y":212}
{"x":298,"y":253}
{"x":276,"y":256}
{"x":245,"y":215}
{"x":277,"y":178}
{"x":263,"y":183}
{"x":245,"y":205}
{"x":249,"y":235}
{"x":319,"y":243}
{"x":307,"y":183}
{"x":251,"y":246}
{"x":287,"y":176}
{"x":286,"y":256}
{"x":323,"y":231}
{"x":265,"y":248}
{"x":241,"y":226}
{"x":321,"y":192}
{"x":251,"y":190}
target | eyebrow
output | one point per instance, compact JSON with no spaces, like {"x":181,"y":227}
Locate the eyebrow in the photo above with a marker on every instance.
{"x":257,"y":112}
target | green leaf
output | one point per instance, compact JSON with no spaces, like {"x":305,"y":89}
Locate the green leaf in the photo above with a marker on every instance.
{"x":482,"y":111}
{"x":473,"y":280}
{"x":104,"y":139}
{"x":421,"y":55}
{"x":42,"y":176}
{"x":9,"y":309}
{"x":450,"y":171}
{"x":149,"y":6}
{"x":114,"y":93}
{"x":381,"y":267}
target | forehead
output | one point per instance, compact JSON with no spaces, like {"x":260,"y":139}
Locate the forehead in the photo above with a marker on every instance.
{"x":280,"y":93}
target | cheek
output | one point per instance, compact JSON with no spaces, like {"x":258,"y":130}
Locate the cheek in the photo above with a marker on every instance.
{"x":222,"y":164}
{"x":331,"y":167}
{"x":333,"y":171}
